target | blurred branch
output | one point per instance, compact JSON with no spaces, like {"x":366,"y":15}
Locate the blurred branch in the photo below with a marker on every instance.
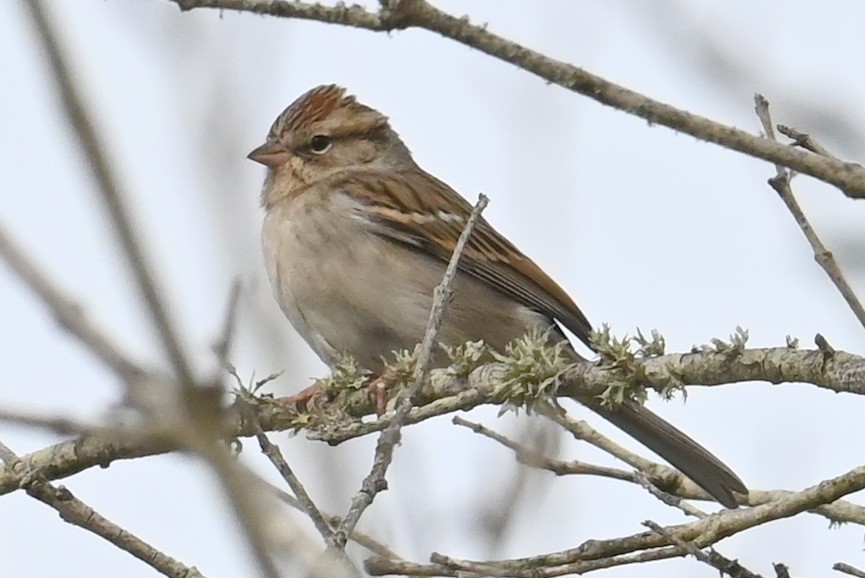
{"x":193,"y":425}
{"x":253,"y":513}
{"x":847,"y":569}
{"x":781,"y":183}
{"x":718,"y":58}
{"x":110,"y":190}
{"x":519,"y":493}
{"x":302,"y":500}
{"x":359,"y":538}
{"x":60,"y":425}
{"x":268,"y":532}
{"x":189,"y":417}
{"x":68,"y":314}
{"x":303,"y":547}
{"x":849,"y":177}
{"x":77,"y":513}
{"x":222,"y":347}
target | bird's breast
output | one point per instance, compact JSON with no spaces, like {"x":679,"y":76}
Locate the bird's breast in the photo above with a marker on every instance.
{"x":346,"y":289}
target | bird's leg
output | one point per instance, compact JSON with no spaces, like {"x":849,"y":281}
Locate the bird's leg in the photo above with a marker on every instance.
{"x":378,"y":386}
{"x":301,"y":401}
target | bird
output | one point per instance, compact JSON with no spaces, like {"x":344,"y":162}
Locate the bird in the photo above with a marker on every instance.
{"x":356,"y":236}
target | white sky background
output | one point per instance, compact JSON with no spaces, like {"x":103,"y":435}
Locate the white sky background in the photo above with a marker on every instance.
{"x":644,"y":227}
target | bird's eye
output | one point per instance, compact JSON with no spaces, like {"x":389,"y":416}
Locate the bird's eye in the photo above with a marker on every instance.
{"x":319,"y":144}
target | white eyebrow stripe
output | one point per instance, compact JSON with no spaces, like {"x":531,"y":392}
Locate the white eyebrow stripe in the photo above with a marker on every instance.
{"x":449,"y":217}
{"x":414,"y":216}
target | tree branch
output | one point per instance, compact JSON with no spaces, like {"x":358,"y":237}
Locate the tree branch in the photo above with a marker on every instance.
{"x":77,"y":513}
{"x":596,"y":554}
{"x":447,"y":393}
{"x":781,"y":184}
{"x":847,"y":176}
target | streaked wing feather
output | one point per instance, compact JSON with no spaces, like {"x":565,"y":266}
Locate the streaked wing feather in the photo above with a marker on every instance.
{"x":417,"y":209}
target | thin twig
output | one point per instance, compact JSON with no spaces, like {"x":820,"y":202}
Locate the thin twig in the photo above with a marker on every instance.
{"x":238,"y":479}
{"x":531,"y":457}
{"x":724,"y":565}
{"x":538,"y":568}
{"x":441,"y":297}
{"x":357,"y":537}
{"x":109,"y":189}
{"x":781,"y":183}
{"x":375,"y":482}
{"x":581,"y":430}
{"x":268,"y":532}
{"x":307,"y":505}
{"x":663,"y":476}
{"x":848,"y":569}
{"x":300,"y":544}
{"x":515,"y":492}
{"x":804,"y":140}
{"x":524,"y":568}
{"x":668,"y":498}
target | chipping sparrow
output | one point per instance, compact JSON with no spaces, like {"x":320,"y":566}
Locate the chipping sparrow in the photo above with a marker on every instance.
{"x":356,"y":236}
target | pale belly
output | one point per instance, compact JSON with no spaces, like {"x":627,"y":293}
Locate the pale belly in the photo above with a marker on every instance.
{"x":347,"y":290}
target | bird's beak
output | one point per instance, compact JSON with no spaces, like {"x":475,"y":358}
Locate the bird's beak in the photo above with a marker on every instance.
{"x":271,"y":154}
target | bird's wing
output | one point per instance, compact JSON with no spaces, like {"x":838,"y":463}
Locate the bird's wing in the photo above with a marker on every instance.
{"x":415,"y":208}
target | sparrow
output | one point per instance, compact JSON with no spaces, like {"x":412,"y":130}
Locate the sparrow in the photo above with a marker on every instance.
{"x":356,"y":236}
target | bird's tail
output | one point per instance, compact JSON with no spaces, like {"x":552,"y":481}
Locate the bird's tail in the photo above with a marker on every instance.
{"x":672,"y":444}
{"x":692,"y":459}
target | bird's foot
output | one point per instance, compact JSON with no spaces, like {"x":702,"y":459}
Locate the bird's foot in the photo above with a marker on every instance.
{"x":379,"y":386}
{"x":303,"y":401}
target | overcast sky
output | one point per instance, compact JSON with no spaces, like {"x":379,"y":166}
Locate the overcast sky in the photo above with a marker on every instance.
{"x":644,"y":227}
